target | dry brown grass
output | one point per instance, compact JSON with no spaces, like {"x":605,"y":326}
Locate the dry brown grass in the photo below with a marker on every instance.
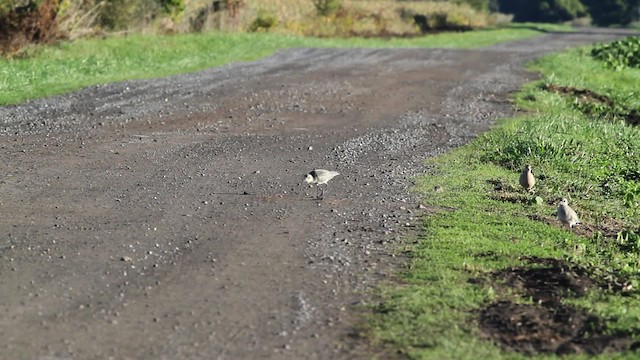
{"x":393,"y":18}
{"x":200,"y":15}
{"x":80,"y":18}
{"x":356,"y":17}
{"x":28,"y":24}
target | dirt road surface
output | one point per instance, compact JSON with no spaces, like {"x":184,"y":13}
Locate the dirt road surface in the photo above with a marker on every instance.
{"x":166,"y":219}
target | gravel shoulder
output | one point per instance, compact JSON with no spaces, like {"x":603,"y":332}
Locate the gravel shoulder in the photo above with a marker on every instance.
{"x":167,"y":218}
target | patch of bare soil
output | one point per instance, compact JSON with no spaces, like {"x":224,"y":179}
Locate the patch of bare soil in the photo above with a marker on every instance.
{"x":166,"y":219}
{"x":548,"y":325}
{"x":633,"y":117}
{"x":608,"y":227}
{"x":591,"y":102}
{"x":583,"y":95}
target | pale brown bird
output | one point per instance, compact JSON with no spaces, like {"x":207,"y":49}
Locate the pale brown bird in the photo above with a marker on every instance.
{"x":527,"y":180}
{"x":566,"y":214}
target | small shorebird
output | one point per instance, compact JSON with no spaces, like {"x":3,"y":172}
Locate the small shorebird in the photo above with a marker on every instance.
{"x":526,"y":178}
{"x":319,"y":177}
{"x":566,"y":214}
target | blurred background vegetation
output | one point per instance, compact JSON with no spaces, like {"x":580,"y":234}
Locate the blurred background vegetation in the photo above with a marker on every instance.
{"x":24,"y":22}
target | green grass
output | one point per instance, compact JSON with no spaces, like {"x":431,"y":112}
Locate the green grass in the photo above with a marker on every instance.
{"x":589,"y":157}
{"x":72,"y":65}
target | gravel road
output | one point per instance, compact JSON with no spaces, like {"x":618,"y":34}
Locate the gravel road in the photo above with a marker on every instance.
{"x":167,"y":218}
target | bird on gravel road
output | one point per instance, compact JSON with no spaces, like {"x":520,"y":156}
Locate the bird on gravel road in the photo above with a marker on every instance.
{"x":526,"y":178}
{"x":319,"y":177}
{"x":566,"y":214}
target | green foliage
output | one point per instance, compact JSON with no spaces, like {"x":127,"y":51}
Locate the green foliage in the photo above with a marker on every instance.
{"x":173,"y":8}
{"x":612,"y":12}
{"x":543,"y":10}
{"x":326,"y":7}
{"x":6,"y":6}
{"x":619,"y":54}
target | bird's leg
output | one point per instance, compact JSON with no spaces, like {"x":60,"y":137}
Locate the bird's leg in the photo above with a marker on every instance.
{"x":321,"y":193}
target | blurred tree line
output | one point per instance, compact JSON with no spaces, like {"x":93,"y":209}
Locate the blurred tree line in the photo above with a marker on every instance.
{"x":602,"y":12}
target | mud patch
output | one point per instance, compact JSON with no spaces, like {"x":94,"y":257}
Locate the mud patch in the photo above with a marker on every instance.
{"x":582,"y":95}
{"x":506,"y":192}
{"x":501,"y":185}
{"x":535,"y":329}
{"x":633,"y":118}
{"x":548,"y":282}
{"x":513,"y":198}
{"x":591,"y":103}
{"x":547,"y":325}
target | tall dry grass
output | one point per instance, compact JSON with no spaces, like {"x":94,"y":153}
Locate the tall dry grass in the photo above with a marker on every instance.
{"x":81,"y":18}
{"x":355,"y":17}
{"x":397,"y":18}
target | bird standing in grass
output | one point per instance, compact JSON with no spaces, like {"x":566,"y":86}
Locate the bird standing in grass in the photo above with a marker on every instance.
{"x":566,"y":214}
{"x":526,"y":178}
{"x":319,"y":177}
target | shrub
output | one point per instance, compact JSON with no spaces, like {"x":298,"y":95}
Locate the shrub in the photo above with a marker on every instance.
{"x":173,"y":8}
{"x":33,"y":22}
{"x":263,"y":22}
{"x":619,"y":54}
{"x":326,"y":7}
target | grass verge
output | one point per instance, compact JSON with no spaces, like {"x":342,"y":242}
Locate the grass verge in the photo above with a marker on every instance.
{"x":69,"y":66}
{"x":485,"y":225}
